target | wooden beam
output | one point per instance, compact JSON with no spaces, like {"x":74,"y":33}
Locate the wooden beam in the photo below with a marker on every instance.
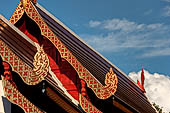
{"x":121,"y":107}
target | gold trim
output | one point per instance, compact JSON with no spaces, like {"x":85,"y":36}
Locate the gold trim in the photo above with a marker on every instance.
{"x":18,"y":13}
{"x":110,"y":87}
{"x":87,"y":106}
{"x":23,"y":3}
{"x":41,"y":65}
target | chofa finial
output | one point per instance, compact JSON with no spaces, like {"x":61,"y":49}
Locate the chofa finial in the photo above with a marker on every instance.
{"x":24,"y":2}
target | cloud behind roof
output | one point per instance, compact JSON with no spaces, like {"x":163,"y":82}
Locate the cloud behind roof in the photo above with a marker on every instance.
{"x":157,"y":88}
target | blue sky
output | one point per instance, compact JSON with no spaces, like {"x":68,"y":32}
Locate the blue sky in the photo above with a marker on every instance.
{"x":130,"y":33}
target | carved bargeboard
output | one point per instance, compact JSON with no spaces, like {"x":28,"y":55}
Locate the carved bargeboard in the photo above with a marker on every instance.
{"x":29,"y":76}
{"x":100,"y":90}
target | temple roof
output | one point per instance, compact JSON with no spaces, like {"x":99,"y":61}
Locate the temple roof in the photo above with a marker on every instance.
{"x":25,"y":49}
{"x":127,"y":92}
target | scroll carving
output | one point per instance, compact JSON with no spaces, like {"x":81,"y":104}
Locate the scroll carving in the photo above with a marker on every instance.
{"x":41,"y":65}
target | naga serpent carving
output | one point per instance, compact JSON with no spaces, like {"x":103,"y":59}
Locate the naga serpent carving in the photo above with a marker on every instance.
{"x":41,"y":64}
{"x":103,"y":92}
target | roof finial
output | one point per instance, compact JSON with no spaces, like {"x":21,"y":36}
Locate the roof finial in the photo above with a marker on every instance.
{"x":23,"y":3}
{"x":141,"y":85}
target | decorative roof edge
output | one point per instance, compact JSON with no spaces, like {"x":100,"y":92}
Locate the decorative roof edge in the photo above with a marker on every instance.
{"x":17,"y":98}
{"x":38,"y":48}
{"x":83,"y":73}
{"x":79,"y":38}
{"x":26,"y":72}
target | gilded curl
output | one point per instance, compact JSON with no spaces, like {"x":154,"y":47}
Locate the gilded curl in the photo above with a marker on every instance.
{"x":41,"y":64}
{"x":103,"y":92}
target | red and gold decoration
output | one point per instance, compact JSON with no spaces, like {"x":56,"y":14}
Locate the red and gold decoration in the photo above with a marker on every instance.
{"x":41,"y":65}
{"x":17,"y":13}
{"x":13,"y":95}
{"x":7,"y":72}
{"x":102,"y":92}
{"x":87,"y":106}
{"x":83,"y":89}
{"x":26,"y":72}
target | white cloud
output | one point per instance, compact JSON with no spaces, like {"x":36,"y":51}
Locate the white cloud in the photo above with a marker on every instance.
{"x":155,"y":26}
{"x":160,"y":52}
{"x":157,"y":88}
{"x":119,"y":34}
{"x":123,"y":25}
{"x":117,"y":24}
{"x":148,"y":12}
{"x":94,"y":23}
{"x":166,"y":0}
{"x":166,"y":11}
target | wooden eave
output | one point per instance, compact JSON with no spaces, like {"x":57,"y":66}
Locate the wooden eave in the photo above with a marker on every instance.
{"x":127,"y":92}
{"x":25,"y":49}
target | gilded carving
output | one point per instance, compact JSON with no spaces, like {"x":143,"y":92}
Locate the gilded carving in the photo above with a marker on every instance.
{"x":23,"y":3}
{"x":41,"y":65}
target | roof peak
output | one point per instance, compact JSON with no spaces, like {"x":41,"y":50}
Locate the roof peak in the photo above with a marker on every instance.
{"x":25,"y":1}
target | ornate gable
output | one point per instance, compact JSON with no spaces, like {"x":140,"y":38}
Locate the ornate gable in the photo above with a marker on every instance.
{"x":45,"y":60}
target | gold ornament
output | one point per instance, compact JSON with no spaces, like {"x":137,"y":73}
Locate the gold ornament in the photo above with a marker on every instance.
{"x":41,"y":64}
